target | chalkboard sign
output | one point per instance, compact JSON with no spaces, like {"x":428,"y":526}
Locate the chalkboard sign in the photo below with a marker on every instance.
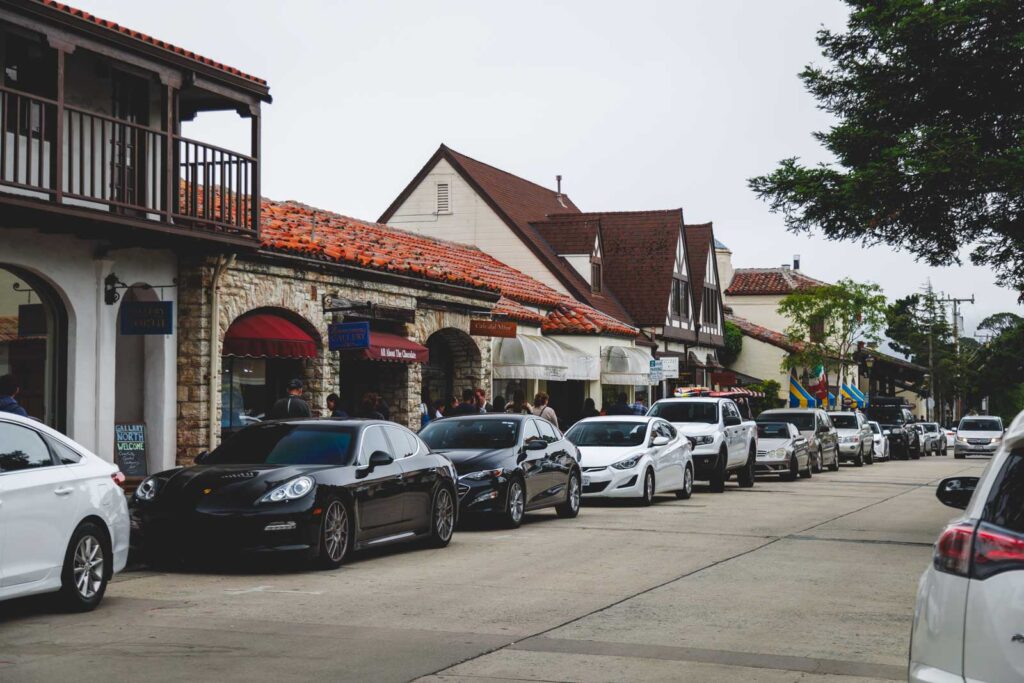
{"x":130,"y":448}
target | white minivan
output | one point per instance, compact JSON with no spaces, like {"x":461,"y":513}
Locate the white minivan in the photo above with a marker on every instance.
{"x":64,"y":522}
{"x":977,"y":435}
{"x":968,"y":622}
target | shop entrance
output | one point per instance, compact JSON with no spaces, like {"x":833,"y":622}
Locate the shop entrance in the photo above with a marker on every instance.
{"x":566,"y":399}
{"x":33,"y":343}
{"x":454,"y":365}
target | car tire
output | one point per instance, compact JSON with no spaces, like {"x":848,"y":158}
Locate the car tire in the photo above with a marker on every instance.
{"x":794,"y":469}
{"x":747,"y":475}
{"x":88,"y":566}
{"x":859,"y":460}
{"x":959,"y":456}
{"x":515,"y":504}
{"x":647,"y":493}
{"x":571,"y":507}
{"x":819,"y":464}
{"x":335,"y":536}
{"x":717,"y":479}
{"x":809,"y":472}
{"x":916,"y":455}
{"x":687,"y":490}
{"x":442,"y":518}
{"x":834,"y":467}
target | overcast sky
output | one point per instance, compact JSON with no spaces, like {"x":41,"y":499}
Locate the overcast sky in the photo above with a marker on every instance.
{"x":639,"y":105}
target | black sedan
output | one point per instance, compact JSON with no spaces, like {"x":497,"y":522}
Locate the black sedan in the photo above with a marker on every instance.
{"x":508,"y":464}
{"x":318,"y":487}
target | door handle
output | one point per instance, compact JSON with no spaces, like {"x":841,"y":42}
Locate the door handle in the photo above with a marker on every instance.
{"x":63,"y":490}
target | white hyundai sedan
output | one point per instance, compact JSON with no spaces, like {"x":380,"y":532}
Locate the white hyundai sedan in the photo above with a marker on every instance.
{"x":969,"y":618}
{"x":632,"y":457}
{"x":63,"y":516}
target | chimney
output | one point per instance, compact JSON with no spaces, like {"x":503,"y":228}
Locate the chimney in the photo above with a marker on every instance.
{"x":796,"y":261}
{"x":785,"y":266}
{"x":558,"y":181}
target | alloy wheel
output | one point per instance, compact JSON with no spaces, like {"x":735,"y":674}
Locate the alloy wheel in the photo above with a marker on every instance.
{"x":516,"y":504}
{"x":444,"y":514}
{"x":574,"y":492}
{"x":88,"y":566}
{"x":648,"y":486}
{"x":336,"y":531}
{"x":688,"y":481}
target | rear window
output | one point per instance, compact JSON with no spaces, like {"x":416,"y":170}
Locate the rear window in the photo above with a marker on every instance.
{"x":462,"y":434}
{"x":981,"y":425}
{"x":1005,"y":506}
{"x":844,"y":421}
{"x":286,"y":444}
{"x":688,"y":411}
{"x":803,"y":421}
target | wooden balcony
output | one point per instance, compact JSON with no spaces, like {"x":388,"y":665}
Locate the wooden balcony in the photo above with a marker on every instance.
{"x":72,"y":159}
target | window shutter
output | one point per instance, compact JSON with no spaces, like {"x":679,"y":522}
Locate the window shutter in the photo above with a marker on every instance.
{"x":444,"y":204}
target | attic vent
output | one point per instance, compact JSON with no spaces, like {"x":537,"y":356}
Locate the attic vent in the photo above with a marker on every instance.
{"x":444,"y":204}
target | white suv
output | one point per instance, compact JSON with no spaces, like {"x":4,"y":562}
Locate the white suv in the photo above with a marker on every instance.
{"x":968,"y":622}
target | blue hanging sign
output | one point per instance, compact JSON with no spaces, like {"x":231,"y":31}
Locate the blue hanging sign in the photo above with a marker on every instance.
{"x":147,"y":317}
{"x":348,"y":336}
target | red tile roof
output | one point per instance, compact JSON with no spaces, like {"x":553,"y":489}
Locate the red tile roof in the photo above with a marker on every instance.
{"x":754,"y":281}
{"x":754,"y":331}
{"x":113,"y":26}
{"x":299,"y":229}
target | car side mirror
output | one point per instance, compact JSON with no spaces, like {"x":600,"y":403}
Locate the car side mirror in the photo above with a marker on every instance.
{"x":732,"y":421}
{"x":380,"y":459}
{"x":660,"y":441}
{"x":693,"y":441}
{"x":956,"y":492}
{"x":536,"y":445}
{"x":201,"y":458}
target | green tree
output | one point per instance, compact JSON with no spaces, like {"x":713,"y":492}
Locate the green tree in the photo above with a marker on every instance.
{"x":733,"y":344}
{"x":828,"y":321}
{"x":928,"y":96}
{"x":917,"y":328}
{"x":999,"y":366}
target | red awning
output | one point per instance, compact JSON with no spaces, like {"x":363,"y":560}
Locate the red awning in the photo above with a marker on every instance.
{"x":265,"y":335}
{"x":392,"y":347}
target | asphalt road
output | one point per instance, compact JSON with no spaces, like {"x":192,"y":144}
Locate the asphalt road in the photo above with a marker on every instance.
{"x":809,"y":580}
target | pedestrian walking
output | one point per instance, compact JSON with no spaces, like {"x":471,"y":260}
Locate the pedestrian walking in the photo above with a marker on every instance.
{"x":589,"y":409}
{"x":620,"y":407}
{"x":639,"y":408}
{"x":291,"y":405}
{"x":542,"y":409}
{"x":9,"y":388}
{"x":518,"y":405}
{"x":334,"y":406}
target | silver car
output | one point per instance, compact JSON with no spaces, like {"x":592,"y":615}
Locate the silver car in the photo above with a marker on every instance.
{"x":856,"y":440}
{"x":881,"y":444}
{"x":782,"y":450}
{"x":978,"y":435}
{"x":815,"y":426}
{"x":937,"y":442}
{"x":925,"y":439}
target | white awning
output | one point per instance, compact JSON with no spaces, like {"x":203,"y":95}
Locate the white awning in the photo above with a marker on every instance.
{"x":628,"y":365}
{"x":530,"y":357}
{"x":581,"y":365}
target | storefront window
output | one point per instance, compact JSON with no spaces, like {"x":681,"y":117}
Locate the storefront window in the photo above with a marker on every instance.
{"x":249,"y":387}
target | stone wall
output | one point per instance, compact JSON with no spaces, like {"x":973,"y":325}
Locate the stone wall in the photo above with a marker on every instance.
{"x":297,"y":294}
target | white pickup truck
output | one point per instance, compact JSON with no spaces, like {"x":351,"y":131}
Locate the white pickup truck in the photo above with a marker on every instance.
{"x":723,"y":441}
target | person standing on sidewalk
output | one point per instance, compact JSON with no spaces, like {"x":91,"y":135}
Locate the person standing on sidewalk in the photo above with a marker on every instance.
{"x":9,"y":388}
{"x":291,"y":405}
{"x":542,"y":409}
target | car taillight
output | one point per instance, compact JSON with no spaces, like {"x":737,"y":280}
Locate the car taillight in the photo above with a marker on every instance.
{"x":953,"y":551}
{"x":118,"y":478}
{"x":996,"y":551}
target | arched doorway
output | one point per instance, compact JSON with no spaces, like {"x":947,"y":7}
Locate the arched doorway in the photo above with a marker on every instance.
{"x":263,"y":350}
{"x":34,"y":343}
{"x":454,"y":365}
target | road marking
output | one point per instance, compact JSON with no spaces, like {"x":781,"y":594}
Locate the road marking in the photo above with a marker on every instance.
{"x":268,"y":589}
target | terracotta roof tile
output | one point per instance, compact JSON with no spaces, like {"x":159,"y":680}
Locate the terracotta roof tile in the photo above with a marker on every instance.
{"x":754,"y":281}
{"x":113,"y":26}
{"x":299,"y":229}
{"x":754,"y":331}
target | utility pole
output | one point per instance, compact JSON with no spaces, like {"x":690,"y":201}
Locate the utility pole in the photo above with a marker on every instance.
{"x":956,"y":342}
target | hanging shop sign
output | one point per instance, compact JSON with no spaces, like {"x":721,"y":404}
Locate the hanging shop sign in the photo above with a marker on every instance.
{"x":130,"y":448}
{"x":657,"y":370}
{"x":670,"y":368}
{"x":348,"y":336}
{"x":493,"y":328}
{"x":147,"y":317}
{"x":31,"y":320}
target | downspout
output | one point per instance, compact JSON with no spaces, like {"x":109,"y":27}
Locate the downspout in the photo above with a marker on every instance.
{"x":223,"y":263}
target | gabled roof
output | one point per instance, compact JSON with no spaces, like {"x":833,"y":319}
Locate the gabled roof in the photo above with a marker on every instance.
{"x":698,"y":244}
{"x":753,"y":281}
{"x":93,"y":22}
{"x":570,"y":234}
{"x":294,"y":228}
{"x":754,"y":331}
{"x":634,"y":243}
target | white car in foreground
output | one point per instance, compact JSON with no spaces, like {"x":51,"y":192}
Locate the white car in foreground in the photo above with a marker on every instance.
{"x":632,"y":457}
{"x":969,"y":620}
{"x":63,"y":516}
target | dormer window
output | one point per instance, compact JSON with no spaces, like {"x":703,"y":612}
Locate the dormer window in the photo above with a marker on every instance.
{"x":444,"y":198}
{"x":595,"y":276}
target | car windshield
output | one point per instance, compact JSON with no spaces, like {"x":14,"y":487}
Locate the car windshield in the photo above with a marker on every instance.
{"x":447,"y":435}
{"x":981,"y":426}
{"x":887,"y":414}
{"x":844,"y":421}
{"x":773,"y":430}
{"x":687,"y":411}
{"x":614,"y":434}
{"x":803,"y":421}
{"x":875,"y":428}
{"x":283,"y":443}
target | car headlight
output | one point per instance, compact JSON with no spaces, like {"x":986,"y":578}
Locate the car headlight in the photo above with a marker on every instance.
{"x":291,"y":490}
{"x":961,"y":439}
{"x":147,"y":489}
{"x":482,"y":474}
{"x":777,"y":453}
{"x":629,"y":463}
{"x":996,"y":439}
{"x":703,"y":440}
{"x":887,"y":432}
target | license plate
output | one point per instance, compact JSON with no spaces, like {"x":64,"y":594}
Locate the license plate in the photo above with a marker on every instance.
{"x":586,"y":481}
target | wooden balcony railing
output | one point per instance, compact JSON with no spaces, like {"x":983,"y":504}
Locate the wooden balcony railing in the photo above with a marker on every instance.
{"x":108,"y":164}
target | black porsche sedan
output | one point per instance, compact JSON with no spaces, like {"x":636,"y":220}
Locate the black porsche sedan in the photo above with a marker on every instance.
{"x":509,"y":464}
{"x":318,"y":487}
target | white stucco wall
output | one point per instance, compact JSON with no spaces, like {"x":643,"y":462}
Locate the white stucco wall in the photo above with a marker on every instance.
{"x":471,"y":221}
{"x":760,"y":310}
{"x":71,"y":267}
